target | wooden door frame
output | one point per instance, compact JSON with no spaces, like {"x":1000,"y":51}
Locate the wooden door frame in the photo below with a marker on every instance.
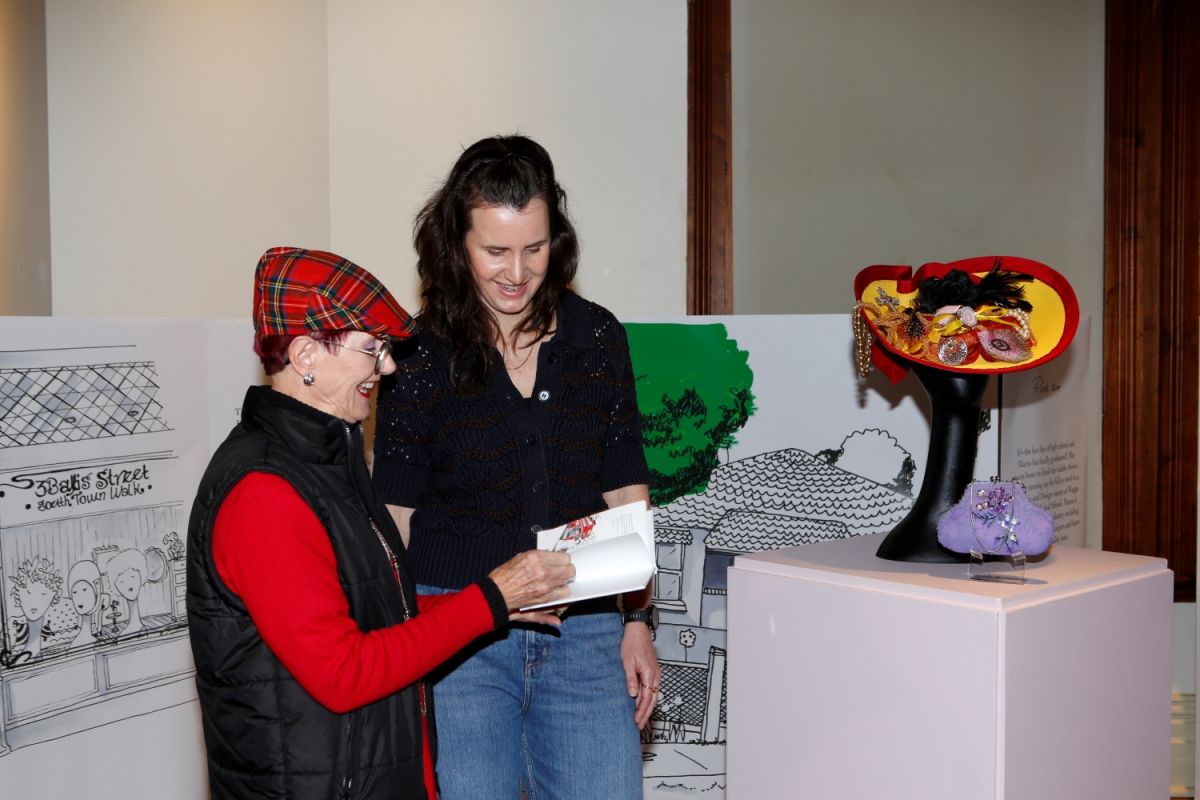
{"x":1151,"y":276}
{"x":710,"y":159}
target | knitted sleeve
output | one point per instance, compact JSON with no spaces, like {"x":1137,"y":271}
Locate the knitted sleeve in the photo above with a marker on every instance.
{"x":283,"y":568}
{"x":401,"y":464}
{"x":624,"y":461}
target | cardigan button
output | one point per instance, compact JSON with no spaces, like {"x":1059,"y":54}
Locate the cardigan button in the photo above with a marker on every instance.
{"x":531,"y":439}
{"x":552,"y":358}
{"x":536,"y":488}
{"x":535,"y":529}
{"x":544,"y":395}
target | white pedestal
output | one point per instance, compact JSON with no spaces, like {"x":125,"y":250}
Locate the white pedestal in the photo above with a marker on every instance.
{"x":855,"y":677}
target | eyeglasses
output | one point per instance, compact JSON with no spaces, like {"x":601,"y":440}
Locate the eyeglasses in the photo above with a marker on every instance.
{"x":380,"y":353}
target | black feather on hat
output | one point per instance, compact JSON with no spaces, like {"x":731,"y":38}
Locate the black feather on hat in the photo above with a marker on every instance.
{"x":955,"y":288}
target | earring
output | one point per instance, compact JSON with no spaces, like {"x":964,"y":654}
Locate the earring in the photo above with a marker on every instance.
{"x":309,"y":379}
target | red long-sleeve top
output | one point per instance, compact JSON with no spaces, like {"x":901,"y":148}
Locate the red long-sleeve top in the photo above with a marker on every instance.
{"x":282,"y":567}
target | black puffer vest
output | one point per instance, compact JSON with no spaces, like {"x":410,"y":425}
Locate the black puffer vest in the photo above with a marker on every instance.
{"x":266,"y":737}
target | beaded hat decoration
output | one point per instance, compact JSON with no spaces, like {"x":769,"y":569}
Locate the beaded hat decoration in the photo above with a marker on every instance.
{"x":987,"y":314}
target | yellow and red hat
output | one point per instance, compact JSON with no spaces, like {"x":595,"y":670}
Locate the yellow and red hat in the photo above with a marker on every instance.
{"x":989,"y":314}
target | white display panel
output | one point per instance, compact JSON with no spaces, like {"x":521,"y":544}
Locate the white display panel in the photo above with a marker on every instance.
{"x":818,"y":455}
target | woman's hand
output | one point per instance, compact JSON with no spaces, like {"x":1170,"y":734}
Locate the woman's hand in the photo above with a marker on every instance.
{"x":642,"y":673}
{"x":544,"y":616}
{"x":532,"y":578}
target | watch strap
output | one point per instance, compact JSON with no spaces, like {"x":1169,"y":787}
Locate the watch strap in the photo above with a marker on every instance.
{"x":645,"y":615}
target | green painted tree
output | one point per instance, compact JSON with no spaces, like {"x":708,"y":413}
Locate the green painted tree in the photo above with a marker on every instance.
{"x":693,"y":388}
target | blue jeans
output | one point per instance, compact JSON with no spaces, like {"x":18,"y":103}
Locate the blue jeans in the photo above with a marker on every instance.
{"x":540,"y":707}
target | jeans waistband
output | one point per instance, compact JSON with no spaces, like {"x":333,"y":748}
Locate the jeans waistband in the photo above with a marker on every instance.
{"x":596,"y":605}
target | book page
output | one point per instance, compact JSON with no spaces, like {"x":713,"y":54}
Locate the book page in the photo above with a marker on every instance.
{"x":612,"y":550}
{"x":604,"y":525}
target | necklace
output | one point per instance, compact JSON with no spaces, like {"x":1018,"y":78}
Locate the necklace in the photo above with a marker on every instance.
{"x":395,"y":565}
{"x":514,"y":367}
{"x":509,"y":356}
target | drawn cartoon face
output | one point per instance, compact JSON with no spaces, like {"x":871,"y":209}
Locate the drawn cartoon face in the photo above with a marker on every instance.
{"x":83,"y":597}
{"x":129,"y":583}
{"x":35,"y":599}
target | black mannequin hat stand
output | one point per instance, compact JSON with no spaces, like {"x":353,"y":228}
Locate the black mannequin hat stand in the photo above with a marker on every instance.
{"x":953,"y":443}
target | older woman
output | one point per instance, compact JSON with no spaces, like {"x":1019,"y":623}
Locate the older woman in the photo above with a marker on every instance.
{"x":309,"y":639}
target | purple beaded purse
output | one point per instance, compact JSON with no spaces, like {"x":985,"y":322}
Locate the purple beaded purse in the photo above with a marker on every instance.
{"x":996,"y":518}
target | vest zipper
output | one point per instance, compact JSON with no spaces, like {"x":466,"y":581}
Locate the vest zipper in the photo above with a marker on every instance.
{"x":347,"y":777}
{"x":391,"y":557}
{"x":395,"y":565}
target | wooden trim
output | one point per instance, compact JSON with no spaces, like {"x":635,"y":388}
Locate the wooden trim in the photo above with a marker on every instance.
{"x":710,"y":159}
{"x":1152,"y":276}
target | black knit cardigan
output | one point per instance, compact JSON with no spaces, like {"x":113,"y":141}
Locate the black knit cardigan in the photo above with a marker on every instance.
{"x":486,"y":470}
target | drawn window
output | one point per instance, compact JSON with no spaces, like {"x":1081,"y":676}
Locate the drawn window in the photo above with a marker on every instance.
{"x":716,"y":571}
{"x":670,"y":556}
{"x":668,"y":584}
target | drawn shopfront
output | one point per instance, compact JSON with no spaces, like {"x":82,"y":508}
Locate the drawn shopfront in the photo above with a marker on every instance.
{"x":93,"y":625}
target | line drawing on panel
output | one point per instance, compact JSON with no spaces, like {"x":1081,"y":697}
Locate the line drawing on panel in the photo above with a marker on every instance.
{"x":41,"y":405}
{"x":708,"y":509}
{"x":93,"y":625}
{"x":92,"y":617}
{"x":768,"y":501}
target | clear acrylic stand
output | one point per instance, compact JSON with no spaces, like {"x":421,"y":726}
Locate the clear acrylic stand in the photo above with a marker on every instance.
{"x":995,"y":567}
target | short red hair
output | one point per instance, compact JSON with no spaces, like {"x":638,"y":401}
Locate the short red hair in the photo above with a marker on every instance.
{"x":272,"y":349}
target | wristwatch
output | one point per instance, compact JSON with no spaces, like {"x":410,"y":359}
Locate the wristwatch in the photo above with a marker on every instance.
{"x":648,"y":615}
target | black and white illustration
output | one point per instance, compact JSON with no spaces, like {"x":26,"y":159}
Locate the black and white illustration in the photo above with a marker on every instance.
{"x":758,"y":433}
{"x":102,"y":430}
{"x":74,"y":402}
{"x":763,"y":438}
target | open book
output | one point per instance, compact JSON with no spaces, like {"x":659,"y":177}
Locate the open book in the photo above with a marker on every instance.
{"x":612,"y":550}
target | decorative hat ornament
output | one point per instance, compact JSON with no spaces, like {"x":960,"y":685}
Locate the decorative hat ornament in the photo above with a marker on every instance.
{"x":979,"y":315}
{"x":954,"y":325}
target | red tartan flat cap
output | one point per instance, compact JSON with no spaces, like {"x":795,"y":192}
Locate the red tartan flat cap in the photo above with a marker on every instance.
{"x":299,"y":291}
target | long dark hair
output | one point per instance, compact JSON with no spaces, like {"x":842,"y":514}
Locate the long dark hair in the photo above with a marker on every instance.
{"x":506,"y":171}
